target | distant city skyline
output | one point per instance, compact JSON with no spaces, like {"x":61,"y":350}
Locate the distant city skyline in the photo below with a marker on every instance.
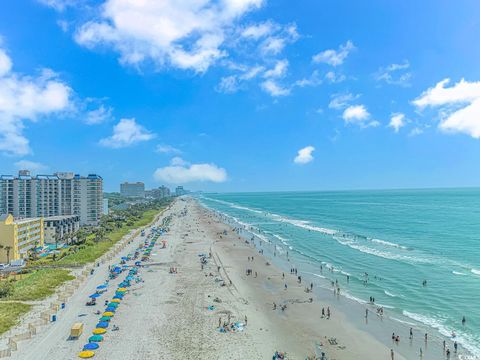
{"x":254,"y":95}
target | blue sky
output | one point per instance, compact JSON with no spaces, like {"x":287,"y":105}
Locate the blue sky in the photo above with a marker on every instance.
{"x":243,"y":95}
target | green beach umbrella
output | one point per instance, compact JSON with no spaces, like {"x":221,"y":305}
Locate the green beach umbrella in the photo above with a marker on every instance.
{"x":95,"y":338}
{"x":105,"y":318}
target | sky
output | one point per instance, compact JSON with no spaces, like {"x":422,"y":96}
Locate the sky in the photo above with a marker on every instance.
{"x":243,"y":95}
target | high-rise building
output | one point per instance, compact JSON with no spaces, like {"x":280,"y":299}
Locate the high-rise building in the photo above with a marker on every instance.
{"x":59,"y":194}
{"x":158,"y":193}
{"x":136,"y":189}
{"x":179,"y":191}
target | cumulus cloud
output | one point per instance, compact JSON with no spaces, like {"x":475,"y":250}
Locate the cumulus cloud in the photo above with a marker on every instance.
{"x":167,"y":149}
{"x":258,"y":31}
{"x":126,"y":133}
{"x":274,"y":89}
{"x":313,"y":80}
{"x":99,"y":115}
{"x":397,"y":121}
{"x":304,"y":156}
{"x":30,"y":165}
{"x":358,"y":115}
{"x":459,"y":106}
{"x":395,"y":74}
{"x":26,"y":98}
{"x":334,"y":57}
{"x":182,"y":34}
{"x":341,"y":100}
{"x":228,"y":84}
{"x":181,"y":172}
{"x":334,"y":78}
{"x":279,"y":70}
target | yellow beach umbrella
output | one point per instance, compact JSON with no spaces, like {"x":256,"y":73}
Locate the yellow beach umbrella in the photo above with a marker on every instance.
{"x":86,"y":354}
{"x":99,"y":331}
{"x":122,"y":289}
{"x":115,"y":300}
{"x":108,"y":313}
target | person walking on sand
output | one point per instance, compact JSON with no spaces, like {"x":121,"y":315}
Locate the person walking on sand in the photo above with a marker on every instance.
{"x":246,"y":320}
{"x":328,"y":312}
{"x":366,"y":313}
{"x":392,"y":354}
{"x":220,"y":321}
{"x":411,"y":333}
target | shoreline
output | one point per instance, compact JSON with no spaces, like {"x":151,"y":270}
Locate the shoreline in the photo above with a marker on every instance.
{"x":354,"y":309}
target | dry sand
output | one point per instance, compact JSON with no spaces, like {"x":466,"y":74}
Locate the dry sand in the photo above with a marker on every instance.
{"x":167,"y":316}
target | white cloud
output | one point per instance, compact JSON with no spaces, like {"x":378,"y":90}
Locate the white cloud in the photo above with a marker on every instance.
{"x":167,"y":149}
{"x":279,"y":70}
{"x":304,"y":156}
{"x":342,"y":100}
{"x":258,"y":31}
{"x":182,"y":173}
{"x":98,"y":116}
{"x":30,"y":165}
{"x":178,"y":161}
{"x":334,"y":57}
{"x":397,"y":121}
{"x":459,"y":106}
{"x":334,"y":78}
{"x":58,"y":5}
{"x":273,"y":45}
{"x":359,"y":115}
{"x":274,"y":89}
{"x":228,"y":84}
{"x":182,"y":34}
{"x":26,"y":98}
{"x":416,"y":131}
{"x":313,"y":80}
{"x":126,"y":133}
{"x":395,"y":74}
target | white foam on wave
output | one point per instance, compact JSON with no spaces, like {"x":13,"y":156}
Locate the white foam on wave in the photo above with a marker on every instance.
{"x":475,"y":271}
{"x":402,"y":321}
{"x":351,"y":297}
{"x":458,"y":273}
{"x":389,"y":244}
{"x":463,"y":339}
{"x":235,"y":206}
{"x":389,"y":293}
{"x":304,"y":224}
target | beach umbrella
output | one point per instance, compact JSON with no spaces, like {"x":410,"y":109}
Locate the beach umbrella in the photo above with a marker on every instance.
{"x":94,"y":295}
{"x":99,"y":331}
{"x":118,"y":297}
{"x":122,"y":289}
{"x":113,"y":304}
{"x":116,"y":301}
{"x":102,"y":325}
{"x":105,"y":318}
{"x":110,"y":309}
{"x":91,"y":346}
{"x":95,"y":338}
{"x":86,"y":354}
{"x":100,"y":287}
{"x":108,"y":313}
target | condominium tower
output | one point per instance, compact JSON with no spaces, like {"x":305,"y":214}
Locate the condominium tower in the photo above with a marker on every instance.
{"x":26,"y":196}
{"x":136,"y":189}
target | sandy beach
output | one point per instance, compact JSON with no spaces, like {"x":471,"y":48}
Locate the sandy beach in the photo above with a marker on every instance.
{"x":177,"y":316}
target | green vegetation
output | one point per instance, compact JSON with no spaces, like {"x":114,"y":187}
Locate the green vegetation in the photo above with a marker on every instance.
{"x":37,"y":285}
{"x":10,"y":314}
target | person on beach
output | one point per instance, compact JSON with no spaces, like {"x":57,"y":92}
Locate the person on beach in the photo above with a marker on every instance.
{"x":455,"y":346}
{"x":421,"y":352}
{"x":220,"y":321}
{"x":426,"y":337}
{"x":286,"y":286}
{"x":463,"y":321}
{"x":392,"y":354}
{"x":246,"y":320}
{"x":411,"y":333}
{"x":366,"y":313}
{"x":328,"y":312}
{"x":311,"y":286}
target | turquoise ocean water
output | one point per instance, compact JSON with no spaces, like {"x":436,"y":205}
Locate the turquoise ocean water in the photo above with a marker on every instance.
{"x":399,"y":238}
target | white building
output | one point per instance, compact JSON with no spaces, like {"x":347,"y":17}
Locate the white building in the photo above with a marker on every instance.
{"x":59,"y":194}
{"x":105,"y":206}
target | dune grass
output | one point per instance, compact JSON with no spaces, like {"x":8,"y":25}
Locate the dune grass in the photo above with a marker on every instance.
{"x":91,"y":251}
{"x":10,"y":314}
{"x":37,"y":284}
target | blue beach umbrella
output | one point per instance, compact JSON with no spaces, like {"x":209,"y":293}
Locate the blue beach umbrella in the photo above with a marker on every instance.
{"x":91,"y":346}
{"x":94,"y":295}
{"x":110,"y":309}
{"x":102,"y":325}
{"x":100,"y":287}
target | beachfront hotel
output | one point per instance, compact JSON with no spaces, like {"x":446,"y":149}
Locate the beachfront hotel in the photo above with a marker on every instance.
{"x":134,"y":190}
{"x":60,"y":194}
{"x":18,"y":237}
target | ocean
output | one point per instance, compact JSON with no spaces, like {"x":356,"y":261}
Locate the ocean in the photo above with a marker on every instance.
{"x":394,"y":239}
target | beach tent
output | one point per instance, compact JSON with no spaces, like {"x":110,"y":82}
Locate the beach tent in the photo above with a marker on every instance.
{"x":95,"y":338}
{"x":99,"y":331}
{"x":91,"y":346}
{"x":86,"y":354}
